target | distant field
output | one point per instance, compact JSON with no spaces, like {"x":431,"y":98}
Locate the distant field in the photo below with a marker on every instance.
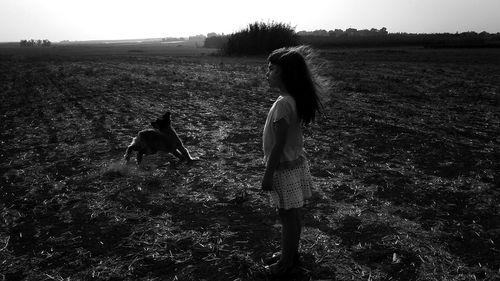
{"x":101,"y":49}
{"x":404,"y":158}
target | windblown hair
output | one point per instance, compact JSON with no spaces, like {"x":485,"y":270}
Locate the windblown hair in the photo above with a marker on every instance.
{"x":299,"y":80}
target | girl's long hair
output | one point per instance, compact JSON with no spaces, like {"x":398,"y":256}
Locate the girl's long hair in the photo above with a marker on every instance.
{"x":299,"y":80}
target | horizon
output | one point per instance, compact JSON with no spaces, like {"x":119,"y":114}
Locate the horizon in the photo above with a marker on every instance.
{"x":187,"y":38}
{"x":93,"y":20}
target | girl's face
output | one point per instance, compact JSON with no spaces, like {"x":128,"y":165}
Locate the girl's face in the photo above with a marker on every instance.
{"x":273,"y":76}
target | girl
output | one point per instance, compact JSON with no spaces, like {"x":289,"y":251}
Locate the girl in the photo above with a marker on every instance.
{"x":287,"y":174}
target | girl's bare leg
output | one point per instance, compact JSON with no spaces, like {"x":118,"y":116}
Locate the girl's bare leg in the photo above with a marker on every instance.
{"x":290,"y":235}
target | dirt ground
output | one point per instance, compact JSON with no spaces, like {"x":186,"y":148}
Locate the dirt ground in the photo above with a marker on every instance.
{"x":404,"y":159}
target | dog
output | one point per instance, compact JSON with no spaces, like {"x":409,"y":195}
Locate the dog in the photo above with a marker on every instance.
{"x":162,"y":138}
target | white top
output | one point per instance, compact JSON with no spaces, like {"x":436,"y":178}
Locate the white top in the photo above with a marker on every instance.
{"x":284,"y":108}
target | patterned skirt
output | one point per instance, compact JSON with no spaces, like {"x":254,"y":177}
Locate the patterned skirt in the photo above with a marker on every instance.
{"x":292,"y":184}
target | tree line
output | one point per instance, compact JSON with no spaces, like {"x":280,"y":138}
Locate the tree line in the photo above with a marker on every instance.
{"x":261,"y":38}
{"x":345,"y":33}
{"x":35,"y":43}
{"x":433,"y":40}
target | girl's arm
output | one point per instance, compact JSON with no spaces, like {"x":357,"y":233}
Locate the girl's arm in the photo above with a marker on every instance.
{"x":281,"y":127}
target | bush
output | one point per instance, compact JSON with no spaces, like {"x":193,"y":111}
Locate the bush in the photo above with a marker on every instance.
{"x":216,"y":42}
{"x":260,"y":38}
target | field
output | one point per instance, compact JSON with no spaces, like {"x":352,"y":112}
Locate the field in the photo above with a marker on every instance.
{"x":404,"y":158}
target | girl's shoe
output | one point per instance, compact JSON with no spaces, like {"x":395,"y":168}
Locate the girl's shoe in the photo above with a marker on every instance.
{"x":279,"y":270}
{"x":277,"y":256}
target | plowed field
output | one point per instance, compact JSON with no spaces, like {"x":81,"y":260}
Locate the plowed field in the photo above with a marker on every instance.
{"x":404,"y":158}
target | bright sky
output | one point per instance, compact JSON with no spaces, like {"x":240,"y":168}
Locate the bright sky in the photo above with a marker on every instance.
{"x":58,"y":20}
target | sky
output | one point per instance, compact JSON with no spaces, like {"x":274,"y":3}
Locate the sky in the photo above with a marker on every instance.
{"x":78,"y":20}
